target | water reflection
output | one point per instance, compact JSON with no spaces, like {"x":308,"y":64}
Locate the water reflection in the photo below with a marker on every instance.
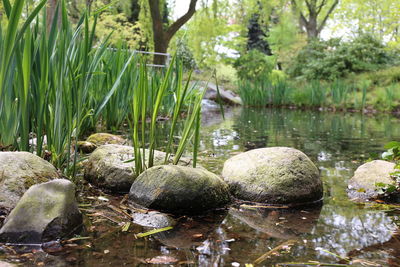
{"x":279,"y":223}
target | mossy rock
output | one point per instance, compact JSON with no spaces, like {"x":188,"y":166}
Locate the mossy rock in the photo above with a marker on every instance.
{"x":363,"y":185}
{"x":100,"y":139}
{"x":18,"y":172}
{"x":107,"y":167}
{"x":179,"y":189}
{"x":275,"y":175}
{"x":46,"y":212}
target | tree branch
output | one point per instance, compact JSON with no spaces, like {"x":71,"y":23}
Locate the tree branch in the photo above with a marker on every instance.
{"x":319,"y":8}
{"x":322,"y":25}
{"x":181,"y":21}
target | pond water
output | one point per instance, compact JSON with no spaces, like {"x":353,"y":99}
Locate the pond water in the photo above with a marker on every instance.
{"x":336,"y":142}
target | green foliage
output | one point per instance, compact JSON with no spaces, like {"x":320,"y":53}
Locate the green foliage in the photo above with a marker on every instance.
{"x":254,"y":65}
{"x":332,"y":59}
{"x":185,"y":55}
{"x":392,"y":154}
{"x":264,"y":92}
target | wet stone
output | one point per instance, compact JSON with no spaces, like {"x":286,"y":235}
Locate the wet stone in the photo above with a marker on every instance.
{"x":46,"y":212}
{"x":275,"y":175}
{"x":363,"y":185}
{"x":18,"y":172}
{"x":179,"y":189}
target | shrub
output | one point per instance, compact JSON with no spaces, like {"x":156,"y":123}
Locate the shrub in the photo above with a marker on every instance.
{"x":332,"y":59}
{"x":254,"y":65}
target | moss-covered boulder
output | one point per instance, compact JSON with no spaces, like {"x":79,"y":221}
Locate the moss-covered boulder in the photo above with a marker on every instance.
{"x":46,"y":212}
{"x":365,"y":183}
{"x":107,"y":167}
{"x":275,"y":175}
{"x":100,"y":139}
{"x":179,"y":189}
{"x":18,"y":172}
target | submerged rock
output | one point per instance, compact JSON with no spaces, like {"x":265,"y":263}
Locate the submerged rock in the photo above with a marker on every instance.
{"x":18,"y":172}
{"x":153,"y":219}
{"x":179,"y":189}
{"x":107,"y":167}
{"x":46,"y":212}
{"x":275,"y":175}
{"x":191,"y":231}
{"x":363,"y":185}
{"x":100,"y":139}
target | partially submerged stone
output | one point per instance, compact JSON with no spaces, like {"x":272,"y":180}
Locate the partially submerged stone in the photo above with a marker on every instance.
{"x":179,"y":189}
{"x":111,"y":167}
{"x":275,"y":175}
{"x":46,"y":212}
{"x":18,"y":172}
{"x":100,"y":139}
{"x":364,"y":184}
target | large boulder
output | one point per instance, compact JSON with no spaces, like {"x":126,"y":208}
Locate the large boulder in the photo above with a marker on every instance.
{"x":100,"y":139}
{"x":46,"y":212}
{"x":275,"y":175}
{"x":364,"y":184}
{"x":179,"y":189}
{"x":111,"y":167}
{"x":18,"y":172}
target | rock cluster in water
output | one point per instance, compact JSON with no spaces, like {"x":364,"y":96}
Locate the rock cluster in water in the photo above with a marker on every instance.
{"x":48,"y":209}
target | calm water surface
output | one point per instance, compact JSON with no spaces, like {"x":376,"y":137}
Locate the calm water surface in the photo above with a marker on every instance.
{"x":337,"y":143}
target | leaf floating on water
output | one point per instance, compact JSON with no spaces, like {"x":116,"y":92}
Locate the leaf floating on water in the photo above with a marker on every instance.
{"x":162,"y":260}
{"x":155,"y":231}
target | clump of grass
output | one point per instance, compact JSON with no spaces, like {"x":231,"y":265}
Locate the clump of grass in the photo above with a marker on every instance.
{"x":264,"y":92}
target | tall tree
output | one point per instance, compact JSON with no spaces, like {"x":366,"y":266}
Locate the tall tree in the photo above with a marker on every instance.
{"x":162,"y":35}
{"x":256,"y":36}
{"x":314,"y":14}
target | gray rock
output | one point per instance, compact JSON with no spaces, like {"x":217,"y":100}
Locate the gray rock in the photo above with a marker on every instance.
{"x":275,"y":175}
{"x":225,"y":96}
{"x":107,"y":167}
{"x":178,"y":189}
{"x":46,"y":212}
{"x":18,"y":172}
{"x":100,"y":139}
{"x":363,"y":184}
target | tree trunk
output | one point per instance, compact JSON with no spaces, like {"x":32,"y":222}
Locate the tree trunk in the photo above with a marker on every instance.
{"x":162,"y":37}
